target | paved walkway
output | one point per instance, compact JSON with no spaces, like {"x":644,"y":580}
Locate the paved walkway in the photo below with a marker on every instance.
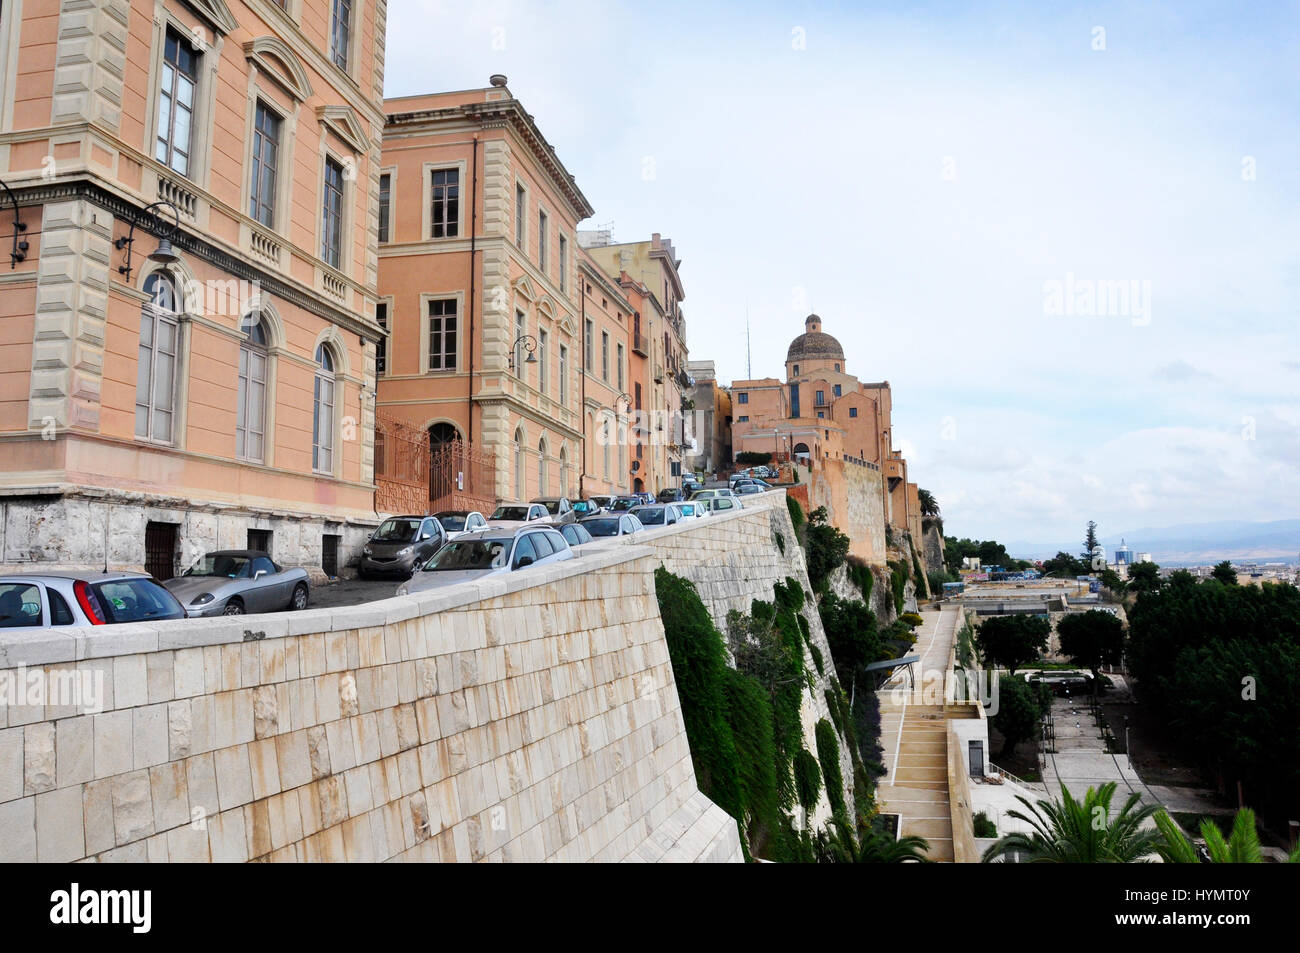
{"x":915,"y":741}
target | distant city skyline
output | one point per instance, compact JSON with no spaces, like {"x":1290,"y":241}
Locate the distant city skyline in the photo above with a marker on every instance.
{"x":931,"y":182}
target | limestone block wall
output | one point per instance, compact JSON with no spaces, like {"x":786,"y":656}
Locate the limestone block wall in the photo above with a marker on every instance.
{"x":733,"y":559}
{"x":855,"y":500}
{"x":533,"y":716}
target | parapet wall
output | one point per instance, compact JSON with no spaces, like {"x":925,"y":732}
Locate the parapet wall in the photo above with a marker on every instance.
{"x":533,"y":716}
{"x":855,"y":499}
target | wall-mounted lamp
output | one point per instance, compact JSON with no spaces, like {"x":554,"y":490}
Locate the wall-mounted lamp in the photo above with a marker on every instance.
{"x":529,"y":344}
{"x":163,"y":254}
{"x":19,"y":251}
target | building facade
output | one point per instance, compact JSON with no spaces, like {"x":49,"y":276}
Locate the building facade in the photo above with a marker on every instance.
{"x":189,"y":330}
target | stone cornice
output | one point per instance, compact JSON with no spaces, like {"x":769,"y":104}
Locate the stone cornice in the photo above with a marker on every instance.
{"x":502,"y":113}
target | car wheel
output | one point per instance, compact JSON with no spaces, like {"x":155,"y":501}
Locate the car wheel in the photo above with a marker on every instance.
{"x":299,"y":600}
{"x":234,"y":607}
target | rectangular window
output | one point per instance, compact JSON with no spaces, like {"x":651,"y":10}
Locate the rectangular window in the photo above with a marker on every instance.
{"x":521,"y":203}
{"x":742,"y":398}
{"x":331,"y":229}
{"x":742,"y":419}
{"x":836,"y":390}
{"x":381,"y":349}
{"x":604,"y":358}
{"x":586,"y":343}
{"x":853,"y":411}
{"x":445,"y":203}
{"x":385,"y":200}
{"x":176,"y":104}
{"x":541,"y":361}
{"x":442,"y":334}
{"x":250,"y":419}
{"x":564,"y":374}
{"x":564,"y":263}
{"x":620,"y":367}
{"x":541,"y":241}
{"x":266,"y":158}
{"x":821,"y":398}
{"x":340,"y":32}
{"x":155,"y":387}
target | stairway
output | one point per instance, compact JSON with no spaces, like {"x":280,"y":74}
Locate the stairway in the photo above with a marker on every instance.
{"x":917,"y":787}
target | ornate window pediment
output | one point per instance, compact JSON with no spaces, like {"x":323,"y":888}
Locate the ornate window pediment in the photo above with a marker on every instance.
{"x":276,"y":60}
{"x":216,"y":13}
{"x":524,"y":288}
{"x":343,"y":122}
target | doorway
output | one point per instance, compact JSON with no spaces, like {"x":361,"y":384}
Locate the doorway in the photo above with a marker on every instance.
{"x":160,"y":550}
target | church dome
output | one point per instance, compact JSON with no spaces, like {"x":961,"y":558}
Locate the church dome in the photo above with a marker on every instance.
{"x":814,"y":344}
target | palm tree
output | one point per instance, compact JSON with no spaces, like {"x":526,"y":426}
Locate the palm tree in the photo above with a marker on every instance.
{"x":836,"y":845}
{"x":929,"y":505}
{"x":1241,"y":847}
{"x":1081,"y":832}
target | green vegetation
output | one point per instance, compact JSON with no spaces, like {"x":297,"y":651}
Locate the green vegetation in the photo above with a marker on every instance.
{"x":984,"y":827}
{"x":990,"y":553}
{"x":1144,"y":577}
{"x":860,"y":574}
{"x":911,"y":619}
{"x":1220,"y":664}
{"x":1090,"y":544}
{"x":966,"y":643}
{"x":1010,"y":641}
{"x":827,"y":548}
{"x":851,"y":633}
{"x":929,"y":505}
{"x":837,"y":845}
{"x":898,"y":583}
{"x":1092,"y":639}
{"x":807,"y":779}
{"x":1080,"y":832}
{"x":796,"y":512}
{"x":1225,"y":573}
{"x":780,"y":542}
{"x":1020,"y":708}
{"x":828,"y":754}
{"x":1065,"y":566}
{"x":749,"y":458}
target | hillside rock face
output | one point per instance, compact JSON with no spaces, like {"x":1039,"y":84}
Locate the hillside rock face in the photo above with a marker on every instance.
{"x":932,"y":548}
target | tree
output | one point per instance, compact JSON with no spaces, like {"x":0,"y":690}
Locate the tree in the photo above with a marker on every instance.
{"x":929,"y":505}
{"x":1081,"y":832}
{"x":1144,"y":577}
{"x":1110,"y":579}
{"x":837,"y":845}
{"x":1090,"y":544}
{"x":1020,"y":707}
{"x":1064,"y":566}
{"x":827,"y":547}
{"x":854,"y":640}
{"x":1012,"y":640}
{"x":1225,"y":573}
{"x":1092,"y":639}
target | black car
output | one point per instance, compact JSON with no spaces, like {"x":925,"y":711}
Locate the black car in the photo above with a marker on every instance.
{"x":400,"y":544}
{"x":671,"y":495}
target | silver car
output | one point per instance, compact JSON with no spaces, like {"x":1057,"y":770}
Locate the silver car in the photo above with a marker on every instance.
{"x":657,"y":514}
{"x":236,"y":581}
{"x":575,"y":535}
{"x":489,"y":552}
{"x":41,"y":600}
{"x":611,"y":524}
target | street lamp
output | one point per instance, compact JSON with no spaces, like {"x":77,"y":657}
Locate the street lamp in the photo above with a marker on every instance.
{"x":530,"y":345}
{"x":163,"y":254}
{"x":20,"y":245}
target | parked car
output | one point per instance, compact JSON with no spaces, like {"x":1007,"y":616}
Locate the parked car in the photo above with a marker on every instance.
{"x":749,"y":489}
{"x":712,"y":492}
{"x":612,"y":524}
{"x":584,"y":508}
{"x":575,"y":534}
{"x":558,"y":509}
{"x":489,"y":552}
{"x":601,"y":501}
{"x":236,"y":581}
{"x":512,"y":514}
{"x":42,"y":600}
{"x":622,"y":504}
{"x":455,"y":522}
{"x":399,"y":545}
{"x":724,"y":504}
{"x":657,"y":514}
{"x":671,"y":495}
{"x":694,"y":510}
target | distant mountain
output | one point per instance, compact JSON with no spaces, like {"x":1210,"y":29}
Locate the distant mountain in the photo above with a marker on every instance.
{"x":1190,"y":544}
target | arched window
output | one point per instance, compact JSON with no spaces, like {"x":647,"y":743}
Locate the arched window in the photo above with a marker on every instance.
{"x":542,"y":488}
{"x":322,"y":440}
{"x":520,"y":491}
{"x":564,"y":471}
{"x":607,"y":441}
{"x":250,"y":420}
{"x":155,"y":381}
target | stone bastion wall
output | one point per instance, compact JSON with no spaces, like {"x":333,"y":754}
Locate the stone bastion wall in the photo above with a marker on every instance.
{"x":532,"y":716}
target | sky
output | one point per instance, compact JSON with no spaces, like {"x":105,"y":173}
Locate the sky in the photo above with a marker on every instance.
{"x":944,"y":184}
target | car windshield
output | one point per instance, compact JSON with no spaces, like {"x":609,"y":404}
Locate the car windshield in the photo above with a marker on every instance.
{"x":519,"y":513}
{"x":688,"y":509}
{"x":621,"y":505}
{"x":220,"y":564}
{"x":552,"y":506}
{"x":134,"y":600}
{"x":601,"y":527}
{"x":452,"y":522}
{"x":396,"y":531}
{"x":650,"y":517}
{"x":583,"y":506}
{"x":469,"y":554}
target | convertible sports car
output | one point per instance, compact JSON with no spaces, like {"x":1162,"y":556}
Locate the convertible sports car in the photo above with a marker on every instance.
{"x":236,"y":581}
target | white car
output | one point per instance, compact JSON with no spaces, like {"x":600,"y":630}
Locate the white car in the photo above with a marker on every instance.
{"x":513,"y":515}
{"x":488,"y":552}
{"x":456,"y":522}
